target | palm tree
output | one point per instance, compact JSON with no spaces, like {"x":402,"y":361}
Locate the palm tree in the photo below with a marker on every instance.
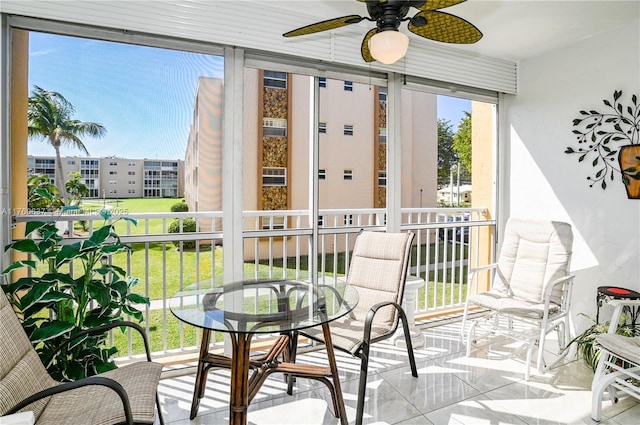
{"x":50,"y":118}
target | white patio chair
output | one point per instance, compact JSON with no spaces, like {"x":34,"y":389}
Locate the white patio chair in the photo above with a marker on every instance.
{"x":619,"y":364}
{"x":530,"y":289}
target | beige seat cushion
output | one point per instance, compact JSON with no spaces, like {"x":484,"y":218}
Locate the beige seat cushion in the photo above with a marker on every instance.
{"x":625,"y":347}
{"x":496,"y":301}
{"x":99,"y":405}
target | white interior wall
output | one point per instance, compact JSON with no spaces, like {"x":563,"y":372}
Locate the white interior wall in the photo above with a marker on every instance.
{"x":539,"y":180}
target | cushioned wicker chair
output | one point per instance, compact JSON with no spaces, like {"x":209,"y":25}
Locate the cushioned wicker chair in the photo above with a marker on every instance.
{"x":378,"y":271}
{"x":124,"y":395}
{"x":619,"y":363}
{"x":530,"y":289}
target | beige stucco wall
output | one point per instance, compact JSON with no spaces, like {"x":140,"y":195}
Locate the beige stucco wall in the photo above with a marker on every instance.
{"x":483,"y":118}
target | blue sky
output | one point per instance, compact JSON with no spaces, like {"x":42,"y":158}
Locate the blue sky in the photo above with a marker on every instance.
{"x":142,"y":95}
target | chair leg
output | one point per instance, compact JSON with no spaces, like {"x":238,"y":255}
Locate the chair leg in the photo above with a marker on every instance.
{"x":407,"y":338}
{"x":292,"y":351}
{"x":362,"y":385}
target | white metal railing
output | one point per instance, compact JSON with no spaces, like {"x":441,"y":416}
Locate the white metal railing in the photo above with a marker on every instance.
{"x":276,"y":245}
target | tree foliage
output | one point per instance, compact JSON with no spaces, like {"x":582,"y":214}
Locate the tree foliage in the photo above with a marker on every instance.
{"x":447,"y":157}
{"x":50,"y":118}
{"x":462,"y":142}
{"x":76,"y":189}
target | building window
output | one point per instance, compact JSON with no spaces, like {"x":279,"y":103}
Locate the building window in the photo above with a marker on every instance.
{"x":113,"y":182}
{"x":322,"y":82}
{"x":71,"y":162}
{"x":275,"y":79}
{"x":348,"y":174}
{"x":382,"y":94}
{"x":348,"y":86}
{"x":382,"y":178}
{"x":132,"y":182}
{"x":113,"y":163}
{"x":113,"y":173}
{"x":131,"y":191}
{"x":131,"y":173}
{"x":322,"y":174}
{"x":320,"y":221}
{"x":274,"y":176}
{"x":348,"y":219}
{"x":322,"y":127}
{"x":382,"y":135}
{"x":132,"y":164}
{"x":274,"y":127}
{"x":273,"y":223}
{"x":348,"y":130}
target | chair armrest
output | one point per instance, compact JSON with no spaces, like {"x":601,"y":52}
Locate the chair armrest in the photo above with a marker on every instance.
{"x":67,"y":386}
{"x":102,"y":328}
{"x":551,"y":286}
{"x":471,"y":281}
{"x":618,"y":307}
{"x":372,"y":313}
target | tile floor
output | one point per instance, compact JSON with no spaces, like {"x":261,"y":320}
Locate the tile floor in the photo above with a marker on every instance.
{"x":486,"y":388}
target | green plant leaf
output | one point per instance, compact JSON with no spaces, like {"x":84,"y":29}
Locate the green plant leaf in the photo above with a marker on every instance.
{"x":99,"y":292}
{"x":18,"y":265}
{"x":606,"y":102}
{"x":99,"y":236}
{"x":137,"y":299}
{"x":44,"y":193}
{"x":569,"y":150}
{"x":66,"y":254}
{"x":50,"y":330}
{"x":30,"y":226}
{"x":35,"y":294}
{"x":603,"y":184}
{"x":24,"y":245}
{"x":131,"y":220}
{"x":617,"y":94}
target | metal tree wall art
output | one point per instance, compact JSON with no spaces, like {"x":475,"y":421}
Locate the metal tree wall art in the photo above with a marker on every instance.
{"x":610,"y":141}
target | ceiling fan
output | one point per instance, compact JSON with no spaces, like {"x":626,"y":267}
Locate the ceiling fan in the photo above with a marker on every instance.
{"x":384,"y":42}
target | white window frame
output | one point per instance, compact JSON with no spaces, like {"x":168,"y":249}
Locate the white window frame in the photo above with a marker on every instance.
{"x":277,"y":175}
{"x":275,"y":80}
{"x":322,"y":127}
{"x":348,"y":86}
{"x":322,"y":174}
{"x":274,"y":127}
{"x":347,"y":175}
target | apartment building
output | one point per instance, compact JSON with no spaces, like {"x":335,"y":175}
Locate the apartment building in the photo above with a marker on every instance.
{"x":114,"y":177}
{"x":352,"y":145}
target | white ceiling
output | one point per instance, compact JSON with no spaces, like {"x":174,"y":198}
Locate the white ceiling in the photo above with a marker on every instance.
{"x":513,"y":29}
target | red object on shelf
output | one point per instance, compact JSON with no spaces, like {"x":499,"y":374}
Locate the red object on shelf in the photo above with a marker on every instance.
{"x":619,"y":291}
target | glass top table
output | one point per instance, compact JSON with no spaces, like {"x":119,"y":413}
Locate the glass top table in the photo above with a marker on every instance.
{"x":263,"y":306}
{"x":246,"y":308}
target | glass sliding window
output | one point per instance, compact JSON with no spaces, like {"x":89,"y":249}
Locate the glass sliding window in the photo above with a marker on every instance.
{"x":159,"y":115}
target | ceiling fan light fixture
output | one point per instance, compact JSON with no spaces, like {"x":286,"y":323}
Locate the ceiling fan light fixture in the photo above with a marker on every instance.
{"x":388,"y":46}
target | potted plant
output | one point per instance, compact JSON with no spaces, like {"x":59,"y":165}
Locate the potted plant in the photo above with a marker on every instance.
{"x":57,"y":305}
{"x":610,"y":141}
{"x":586,"y":341}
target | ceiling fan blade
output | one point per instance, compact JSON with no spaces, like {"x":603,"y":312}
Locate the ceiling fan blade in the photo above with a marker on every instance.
{"x":438,"y":4}
{"x":324,"y":25}
{"x":445,"y":28}
{"x":364,"y":48}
